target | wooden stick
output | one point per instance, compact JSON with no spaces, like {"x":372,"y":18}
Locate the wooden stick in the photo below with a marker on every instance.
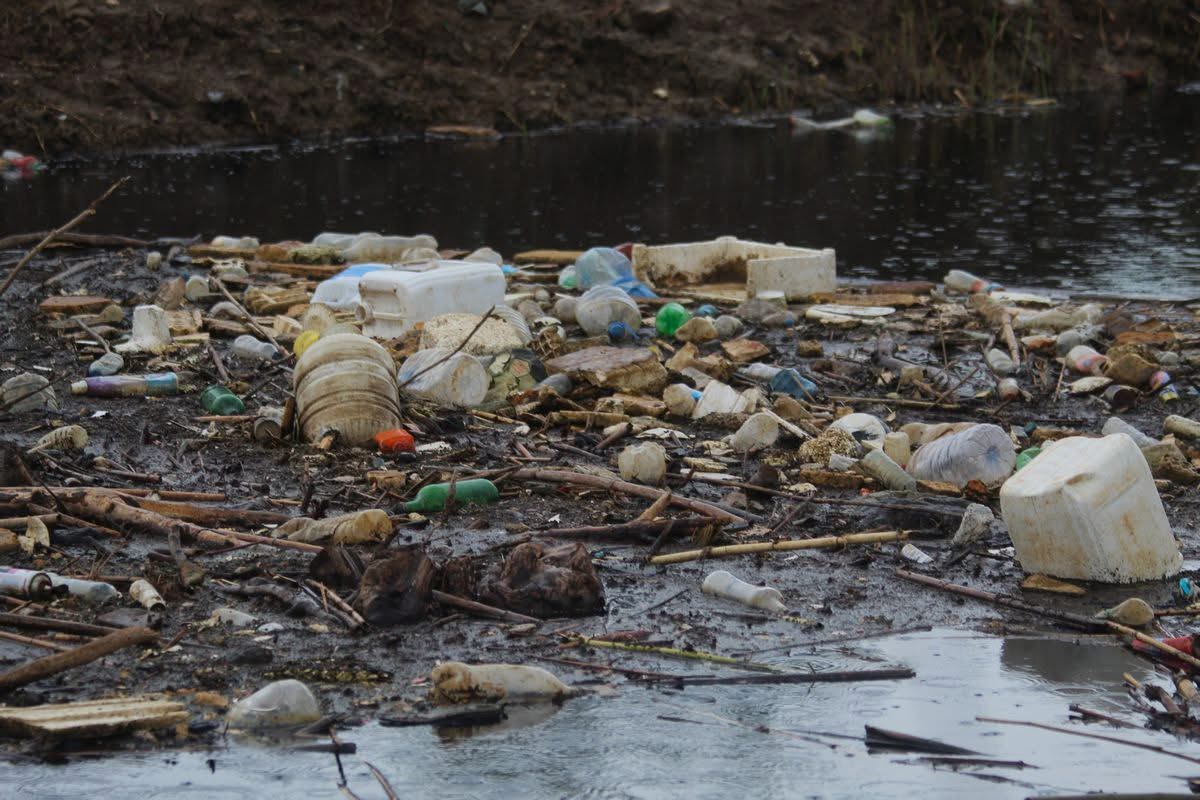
{"x":253,"y":323}
{"x":808,"y":498}
{"x":787,"y":544}
{"x":163,"y":494}
{"x":838,"y":676}
{"x":29,"y":640}
{"x":52,"y":235}
{"x":1151,"y":747}
{"x":656,"y":508}
{"x":204,"y":515}
{"x":673,"y":652}
{"x":50,"y":624}
{"x":76,"y":657}
{"x":615,"y":485}
{"x":222,"y":373}
{"x":899,"y":402}
{"x":84,"y":239}
{"x":481,"y":609}
{"x":1010,"y":339}
{"x":626,"y":530}
{"x":335,"y":599}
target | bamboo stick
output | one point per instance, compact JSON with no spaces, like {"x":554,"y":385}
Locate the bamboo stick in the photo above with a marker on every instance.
{"x":787,"y":544}
{"x":673,"y":652}
{"x":624,"y":487}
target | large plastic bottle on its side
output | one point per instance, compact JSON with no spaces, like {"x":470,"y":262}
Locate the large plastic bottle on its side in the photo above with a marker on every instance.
{"x":1117,"y":425}
{"x":965,"y":282}
{"x":476,"y":491}
{"x":981,"y":452}
{"x":248,"y":347}
{"x":724,"y":584}
{"x":164,"y":383}
{"x":999,"y":362}
{"x":602,"y":305}
{"x":388,"y":249}
{"x":604,"y":266}
{"x":341,"y":240}
{"x":461,"y":380}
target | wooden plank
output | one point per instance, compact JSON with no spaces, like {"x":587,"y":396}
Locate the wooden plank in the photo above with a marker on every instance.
{"x":92,"y":718}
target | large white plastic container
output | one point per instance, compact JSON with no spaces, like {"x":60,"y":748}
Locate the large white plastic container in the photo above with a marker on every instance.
{"x":1087,"y":509}
{"x":392,"y":301}
{"x":798,"y":272}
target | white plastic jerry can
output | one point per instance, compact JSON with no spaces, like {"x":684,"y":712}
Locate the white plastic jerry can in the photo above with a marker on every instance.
{"x":392,"y":301}
{"x":1088,"y":509}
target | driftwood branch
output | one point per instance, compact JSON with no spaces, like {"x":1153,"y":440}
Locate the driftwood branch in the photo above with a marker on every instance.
{"x":77,"y":657}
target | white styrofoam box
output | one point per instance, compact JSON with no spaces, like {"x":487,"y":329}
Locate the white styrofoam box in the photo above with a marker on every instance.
{"x":797,"y":276}
{"x":392,"y":301}
{"x":1087,"y":509}
{"x":796,"y":271}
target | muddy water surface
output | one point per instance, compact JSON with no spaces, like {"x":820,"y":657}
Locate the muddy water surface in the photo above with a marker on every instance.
{"x":654,"y":744}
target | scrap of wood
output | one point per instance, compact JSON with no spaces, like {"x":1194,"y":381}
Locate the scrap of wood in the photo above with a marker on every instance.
{"x":92,"y":718}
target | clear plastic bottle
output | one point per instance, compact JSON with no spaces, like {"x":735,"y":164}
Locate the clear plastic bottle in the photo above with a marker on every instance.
{"x":981,"y":452}
{"x":965,"y":282}
{"x":165,"y":383}
{"x":94,"y":592}
{"x":724,"y":584}
{"x":1117,"y":425}
{"x":248,"y":347}
{"x":461,"y":380}
{"x":388,"y":249}
{"x":604,"y":266}
{"x":882,"y":468}
{"x":603,"y":305}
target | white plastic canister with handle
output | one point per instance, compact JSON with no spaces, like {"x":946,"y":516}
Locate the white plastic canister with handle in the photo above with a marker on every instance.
{"x":394,"y":300}
{"x":1087,"y":509}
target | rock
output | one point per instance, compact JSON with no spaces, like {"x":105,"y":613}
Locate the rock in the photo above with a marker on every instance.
{"x":697,"y":330}
{"x":282,"y":704}
{"x":742,"y":351}
{"x":651,"y":17}
{"x":545,"y":582}
{"x":728,"y":326}
{"x":645,"y":462}
{"x":27,"y":392}
{"x":790,"y":409}
{"x":630,"y":369}
{"x":809,"y":348}
{"x":975,"y":527}
{"x":756,"y":433}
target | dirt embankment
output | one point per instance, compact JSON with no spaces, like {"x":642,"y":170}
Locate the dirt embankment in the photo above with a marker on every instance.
{"x":87,"y":75}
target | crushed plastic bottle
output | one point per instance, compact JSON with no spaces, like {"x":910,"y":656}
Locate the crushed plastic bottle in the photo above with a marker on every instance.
{"x":282,"y":704}
{"x":604,"y":266}
{"x":93,"y":592}
{"x":670,"y":318}
{"x":960,"y":281}
{"x":250,"y":348}
{"x":601,"y":306}
{"x":880,"y":466}
{"x":981,"y":452}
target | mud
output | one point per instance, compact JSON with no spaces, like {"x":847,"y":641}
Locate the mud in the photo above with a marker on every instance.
{"x":851,"y":592}
{"x":88,"y":77}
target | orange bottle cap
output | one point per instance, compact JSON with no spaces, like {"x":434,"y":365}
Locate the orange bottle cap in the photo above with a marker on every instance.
{"x":395,"y":440}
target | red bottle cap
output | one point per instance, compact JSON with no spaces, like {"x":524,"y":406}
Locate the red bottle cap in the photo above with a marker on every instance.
{"x":395,"y":440}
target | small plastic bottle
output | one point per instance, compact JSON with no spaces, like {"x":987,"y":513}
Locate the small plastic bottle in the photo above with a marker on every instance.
{"x":724,"y":584}
{"x":1117,"y":425}
{"x":144,"y":592}
{"x":1008,"y":390}
{"x":246,"y":346}
{"x":880,"y":466}
{"x":965,"y":282}
{"x":1000,"y":362}
{"x":395,"y":440}
{"x":476,"y":491}
{"x":93,"y":592}
{"x":981,"y":452}
{"x":164,"y":383}
{"x":216,"y":399}
{"x":670,"y":318}
{"x":1084,"y":359}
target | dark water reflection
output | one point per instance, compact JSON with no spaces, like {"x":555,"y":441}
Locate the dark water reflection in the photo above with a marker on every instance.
{"x":1096,"y":194}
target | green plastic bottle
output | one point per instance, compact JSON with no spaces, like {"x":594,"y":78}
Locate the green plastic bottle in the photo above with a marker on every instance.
{"x":1027,"y":455}
{"x":476,"y":491}
{"x":670,"y":318}
{"x":216,"y":399}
